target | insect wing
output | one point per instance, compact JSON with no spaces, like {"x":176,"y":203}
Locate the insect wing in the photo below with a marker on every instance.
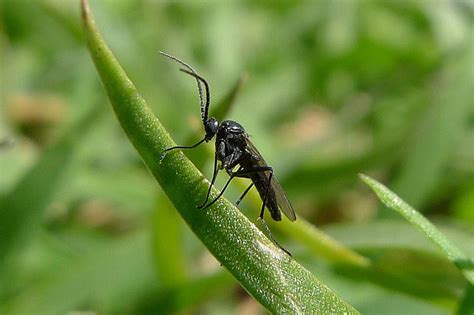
{"x":281,"y":198}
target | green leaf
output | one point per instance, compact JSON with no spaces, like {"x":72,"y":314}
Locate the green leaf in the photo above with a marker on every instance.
{"x":276,"y":280}
{"x":452,"y":252}
{"x":395,"y":233}
{"x":405,"y":260}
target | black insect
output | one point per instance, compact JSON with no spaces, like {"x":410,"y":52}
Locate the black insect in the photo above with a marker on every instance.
{"x":234,"y":150}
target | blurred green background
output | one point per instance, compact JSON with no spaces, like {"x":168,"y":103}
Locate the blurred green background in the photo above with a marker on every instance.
{"x":332,"y":89}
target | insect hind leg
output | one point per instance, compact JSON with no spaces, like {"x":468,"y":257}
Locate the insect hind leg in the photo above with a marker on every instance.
{"x":262,"y":220}
{"x":270,"y":235}
{"x":243,"y":195}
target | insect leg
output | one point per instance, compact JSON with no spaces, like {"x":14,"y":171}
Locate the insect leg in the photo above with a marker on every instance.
{"x":165,"y":152}
{"x":221,"y":193}
{"x":270,"y":235}
{"x":245,"y":173}
{"x":248,"y":171}
{"x":243,"y":195}
{"x":266,"y":195}
{"x":214,"y":176}
{"x":239,"y":173}
{"x":264,"y":224}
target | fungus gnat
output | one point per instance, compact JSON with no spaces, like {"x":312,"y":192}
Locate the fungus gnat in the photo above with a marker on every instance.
{"x":233,"y":149}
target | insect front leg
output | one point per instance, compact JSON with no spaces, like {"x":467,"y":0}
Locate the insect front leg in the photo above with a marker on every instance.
{"x":214,"y":176}
{"x":222,"y":191}
{"x":165,"y":151}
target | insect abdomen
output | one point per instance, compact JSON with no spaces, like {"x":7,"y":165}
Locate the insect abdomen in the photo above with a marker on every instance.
{"x":260,"y":181}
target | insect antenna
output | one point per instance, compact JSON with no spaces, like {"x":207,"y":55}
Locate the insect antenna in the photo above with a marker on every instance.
{"x":208,"y":92}
{"x":204,"y":104}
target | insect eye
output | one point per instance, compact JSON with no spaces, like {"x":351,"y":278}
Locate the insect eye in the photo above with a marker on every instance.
{"x":214,"y":125}
{"x":211,"y":126}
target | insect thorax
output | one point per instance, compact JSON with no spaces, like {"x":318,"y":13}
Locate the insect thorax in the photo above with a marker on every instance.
{"x":231,"y":145}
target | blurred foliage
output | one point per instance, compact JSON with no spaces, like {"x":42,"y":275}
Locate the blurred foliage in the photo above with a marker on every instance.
{"x":334,"y":88}
{"x":450,"y":251}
